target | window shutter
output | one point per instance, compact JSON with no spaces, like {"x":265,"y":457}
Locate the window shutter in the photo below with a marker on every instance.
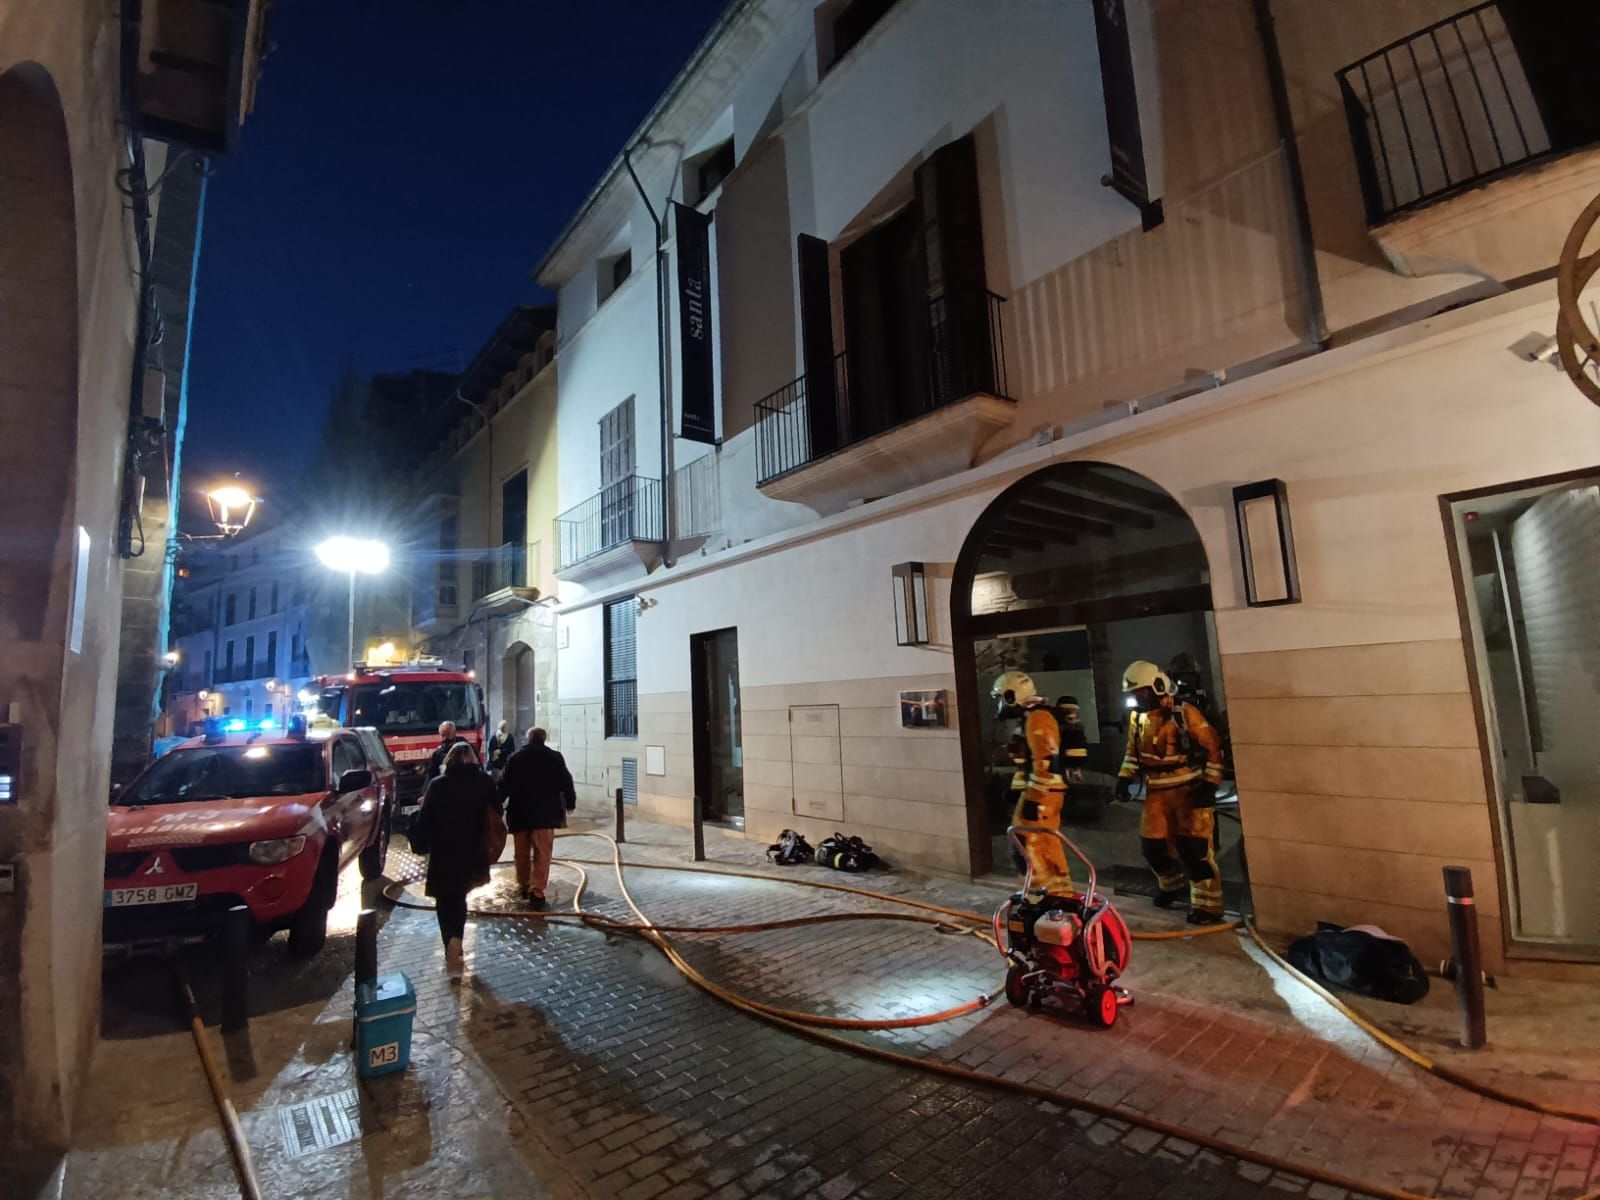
{"x":958,"y":295}
{"x":816,"y":331}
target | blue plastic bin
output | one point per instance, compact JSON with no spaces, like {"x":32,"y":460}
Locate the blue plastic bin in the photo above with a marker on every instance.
{"x":385,"y":1009}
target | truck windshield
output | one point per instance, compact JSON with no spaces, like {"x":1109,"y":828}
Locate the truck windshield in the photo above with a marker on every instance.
{"x":413,"y":706}
{"x":227,"y":772}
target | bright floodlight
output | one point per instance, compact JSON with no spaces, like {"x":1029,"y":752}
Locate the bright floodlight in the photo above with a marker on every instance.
{"x":354,"y":555}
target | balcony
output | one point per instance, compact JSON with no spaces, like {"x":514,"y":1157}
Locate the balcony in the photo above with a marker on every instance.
{"x":506,"y":578}
{"x":1466,"y":131}
{"x":619,"y":524}
{"x":881,"y":444}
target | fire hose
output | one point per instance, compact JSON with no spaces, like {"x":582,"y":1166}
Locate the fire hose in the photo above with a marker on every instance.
{"x":818,"y":1027}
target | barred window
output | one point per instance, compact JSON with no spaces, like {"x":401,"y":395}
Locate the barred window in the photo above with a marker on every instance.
{"x":622,"y":672}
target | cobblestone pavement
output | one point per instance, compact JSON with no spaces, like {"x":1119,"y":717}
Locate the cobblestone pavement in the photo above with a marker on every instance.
{"x":575,"y":1063}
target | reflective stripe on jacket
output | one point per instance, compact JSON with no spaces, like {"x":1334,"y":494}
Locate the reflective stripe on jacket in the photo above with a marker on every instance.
{"x":1155,"y":749}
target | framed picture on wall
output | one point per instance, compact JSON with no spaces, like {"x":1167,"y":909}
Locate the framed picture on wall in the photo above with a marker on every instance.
{"x":923,"y":710}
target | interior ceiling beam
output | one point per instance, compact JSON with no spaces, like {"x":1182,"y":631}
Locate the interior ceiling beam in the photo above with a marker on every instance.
{"x":1032,"y":528}
{"x":1015,"y":541}
{"x":1117,"y":514}
{"x":1058,"y":518}
{"x":1119,"y":490}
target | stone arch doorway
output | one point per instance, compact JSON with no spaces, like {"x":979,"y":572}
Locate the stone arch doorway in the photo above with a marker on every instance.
{"x":1070,"y":574}
{"x":49,"y":937}
{"x":520,"y":702}
{"x":39,"y":363}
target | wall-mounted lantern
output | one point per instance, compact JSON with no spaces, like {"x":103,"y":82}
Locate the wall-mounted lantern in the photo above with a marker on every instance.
{"x":910,"y":604}
{"x":1266,"y":543}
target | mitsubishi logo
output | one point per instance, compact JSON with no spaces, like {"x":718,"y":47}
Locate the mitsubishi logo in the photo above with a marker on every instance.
{"x":155,"y":867}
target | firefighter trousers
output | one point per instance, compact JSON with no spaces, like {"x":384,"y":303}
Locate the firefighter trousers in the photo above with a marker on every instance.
{"x":1178,"y":843}
{"x":1045,"y":855}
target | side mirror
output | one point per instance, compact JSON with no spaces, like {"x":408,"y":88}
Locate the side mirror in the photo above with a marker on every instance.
{"x":354,"y":781}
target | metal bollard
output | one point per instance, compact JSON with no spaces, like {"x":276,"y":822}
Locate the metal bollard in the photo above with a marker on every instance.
{"x":366,"y":946}
{"x":699,"y":829}
{"x":620,"y":837}
{"x":236,"y":970}
{"x":1463,"y":913}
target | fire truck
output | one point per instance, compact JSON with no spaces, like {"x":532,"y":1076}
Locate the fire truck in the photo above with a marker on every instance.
{"x":406,"y":703}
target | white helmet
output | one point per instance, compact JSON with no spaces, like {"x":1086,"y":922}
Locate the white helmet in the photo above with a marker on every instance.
{"x":1014,"y":688}
{"x":1143,"y":674}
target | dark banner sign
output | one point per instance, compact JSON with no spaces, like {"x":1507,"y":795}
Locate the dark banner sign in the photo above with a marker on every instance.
{"x":1122,"y":108}
{"x":694,"y":325}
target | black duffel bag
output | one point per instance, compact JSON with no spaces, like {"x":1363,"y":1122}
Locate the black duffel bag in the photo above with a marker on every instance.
{"x":1361,"y":959}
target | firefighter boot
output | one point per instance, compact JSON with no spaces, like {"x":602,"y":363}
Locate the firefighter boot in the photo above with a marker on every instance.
{"x":1171,"y":884}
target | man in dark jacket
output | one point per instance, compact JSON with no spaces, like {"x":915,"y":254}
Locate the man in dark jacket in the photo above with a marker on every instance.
{"x":538,"y":791}
{"x":447,"y":738}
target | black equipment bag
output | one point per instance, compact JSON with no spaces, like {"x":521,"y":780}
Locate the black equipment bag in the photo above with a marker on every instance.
{"x":1382,"y":967}
{"x":790,"y":848}
{"x":845,"y":853}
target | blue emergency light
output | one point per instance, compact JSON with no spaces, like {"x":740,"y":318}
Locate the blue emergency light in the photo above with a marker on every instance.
{"x":236,"y":725}
{"x":268,"y":723}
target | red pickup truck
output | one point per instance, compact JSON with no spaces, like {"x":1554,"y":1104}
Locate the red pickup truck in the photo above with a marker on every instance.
{"x":259,"y":818}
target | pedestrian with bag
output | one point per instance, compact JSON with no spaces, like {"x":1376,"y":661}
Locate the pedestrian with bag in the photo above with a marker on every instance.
{"x":460,"y":830}
{"x":501,"y":747}
{"x":538,"y":791}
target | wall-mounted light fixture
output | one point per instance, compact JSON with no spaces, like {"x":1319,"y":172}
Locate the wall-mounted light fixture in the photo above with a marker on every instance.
{"x":910,"y":604}
{"x":1266,"y":543}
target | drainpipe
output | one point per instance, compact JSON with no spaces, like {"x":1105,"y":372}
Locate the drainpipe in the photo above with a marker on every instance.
{"x":1294,"y":178}
{"x":139,"y":204}
{"x":668,"y":517}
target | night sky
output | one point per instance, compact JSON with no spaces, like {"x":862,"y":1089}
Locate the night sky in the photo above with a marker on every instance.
{"x":407,"y":164}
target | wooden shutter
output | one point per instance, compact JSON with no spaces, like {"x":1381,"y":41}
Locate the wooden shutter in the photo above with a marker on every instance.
{"x":816,"y":331}
{"x":958,"y":305}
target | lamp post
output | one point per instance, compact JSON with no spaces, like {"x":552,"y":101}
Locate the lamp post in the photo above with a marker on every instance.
{"x":354,"y":556}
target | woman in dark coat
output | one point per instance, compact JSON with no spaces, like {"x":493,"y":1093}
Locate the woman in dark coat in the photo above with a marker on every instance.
{"x":450,"y":830}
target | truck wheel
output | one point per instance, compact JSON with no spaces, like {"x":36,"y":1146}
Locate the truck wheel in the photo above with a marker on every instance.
{"x":308,"y":928}
{"x":376,"y":855}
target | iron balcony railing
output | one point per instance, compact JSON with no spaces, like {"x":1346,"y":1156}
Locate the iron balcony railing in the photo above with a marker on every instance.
{"x":509,"y":565}
{"x":626,"y":511}
{"x":958,"y":367}
{"x":1454,"y":105}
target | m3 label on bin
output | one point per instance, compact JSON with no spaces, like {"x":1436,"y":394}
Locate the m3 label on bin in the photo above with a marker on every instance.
{"x":385,"y":1055}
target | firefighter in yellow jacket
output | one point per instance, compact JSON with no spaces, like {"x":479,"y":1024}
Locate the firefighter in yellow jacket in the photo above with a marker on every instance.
{"x":1175,"y":750}
{"x":1046,"y":750}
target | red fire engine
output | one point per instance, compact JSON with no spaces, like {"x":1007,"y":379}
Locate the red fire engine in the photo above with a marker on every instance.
{"x":406,"y":703}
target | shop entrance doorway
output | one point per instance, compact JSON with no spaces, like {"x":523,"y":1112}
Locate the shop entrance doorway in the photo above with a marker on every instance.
{"x":1530,"y":585}
{"x":1070,"y":575}
{"x":718,"y":746}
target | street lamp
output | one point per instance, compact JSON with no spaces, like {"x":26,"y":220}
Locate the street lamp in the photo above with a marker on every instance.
{"x":231,"y":508}
{"x":354,"y":556}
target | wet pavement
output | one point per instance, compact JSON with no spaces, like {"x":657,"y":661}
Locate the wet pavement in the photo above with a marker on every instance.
{"x":579,"y":1063}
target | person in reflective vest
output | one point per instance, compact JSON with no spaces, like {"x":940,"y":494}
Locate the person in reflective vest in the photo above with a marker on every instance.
{"x":1178,"y":754}
{"x":1045,"y":751}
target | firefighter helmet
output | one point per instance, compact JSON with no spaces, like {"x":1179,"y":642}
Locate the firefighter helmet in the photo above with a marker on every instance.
{"x":1143,"y":674}
{"x":1014,"y":689}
